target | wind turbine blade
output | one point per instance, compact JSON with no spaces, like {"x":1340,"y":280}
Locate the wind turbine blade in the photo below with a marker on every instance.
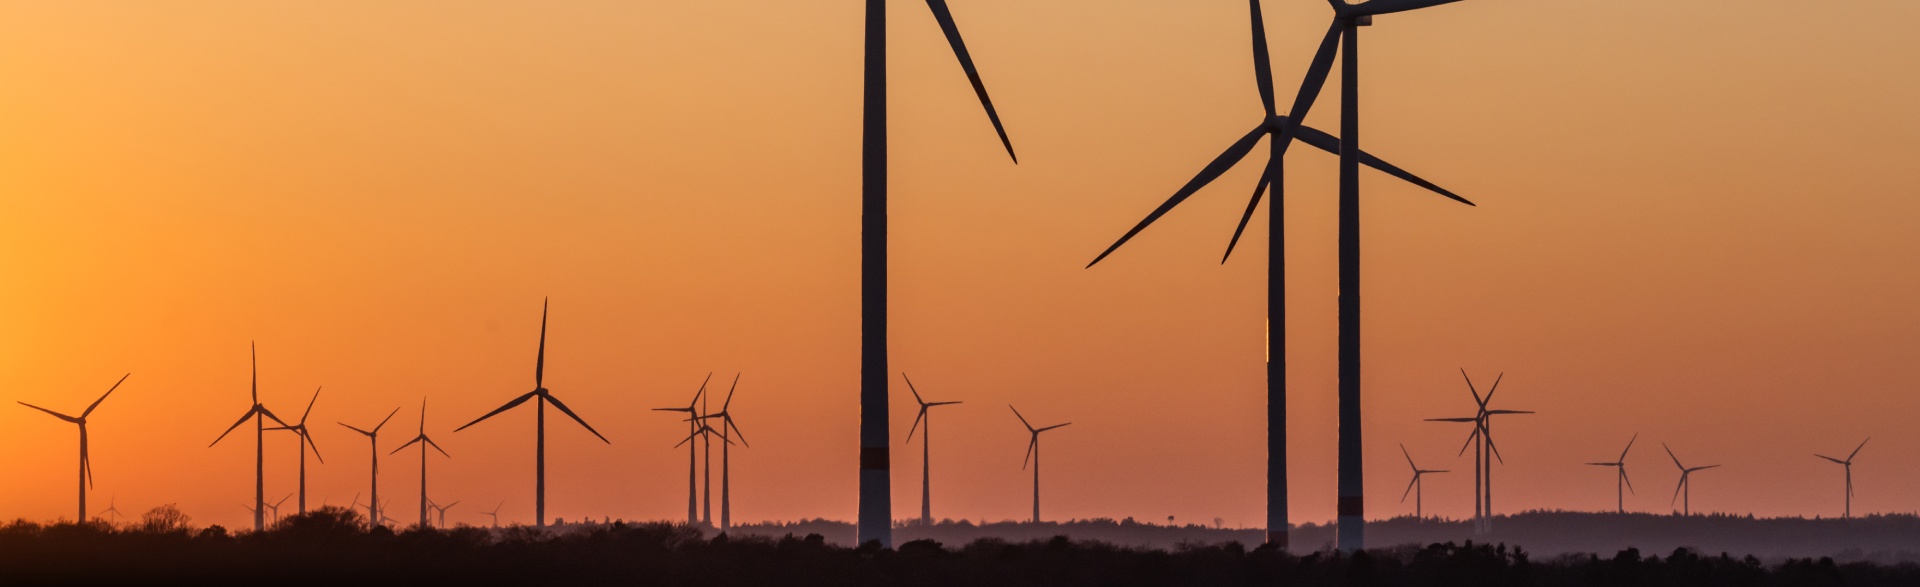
{"x":1453,"y":419}
{"x":1409,"y":491}
{"x":383,"y":422}
{"x":123,"y":379}
{"x":540,"y":363}
{"x":1262,"y":63}
{"x":916,"y":423}
{"x":1469,"y":442}
{"x":354,"y":429}
{"x":55,"y":414}
{"x":435,"y":445}
{"x":688,"y":439}
{"x":1212,"y":171}
{"x":1624,"y":477}
{"x":1492,"y":412}
{"x":1605,"y":464}
{"x":728,"y":422}
{"x":1053,"y":427}
{"x":1030,"y":446}
{"x":1623,"y":452}
{"x":1490,"y":390}
{"x":1836,"y":461}
{"x":1425,"y":471}
{"x":1676,"y":489}
{"x":1494,"y":447}
{"x":1321,"y":140}
{"x":269,"y":414}
{"x":916,"y":398}
{"x":1266,"y":178}
{"x":1316,"y":74}
{"x":87,"y":461}
{"x":1470,"y":389}
{"x":576,"y":417}
{"x":1676,"y":460}
{"x":316,"y":397}
{"x":1391,"y":6}
{"x":729,"y":402}
{"x":308,"y":438}
{"x":1704,"y":468}
{"x":940,"y":13}
{"x":409,"y":443}
{"x":254,"y":351}
{"x":1403,"y":452}
{"x":509,"y":405}
{"x":933,"y":404}
{"x":243,"y":420}
{"x":1856,"y":450}
{"x":1023,"y":419}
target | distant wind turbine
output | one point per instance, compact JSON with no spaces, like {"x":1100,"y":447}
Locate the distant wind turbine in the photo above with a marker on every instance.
{"x":274,"y":507}
{"x":305,"y":441}
{"x":727,"y":430}
{"x":926,"y":450}
{"x":705,"y":433}
{"x":1621,"y":484}
{"x":373,"y":442}
{"x":693,"y":427}
{"x":424,"y":442}
{"x":441,"y":510}
{"x":1282,"y":131}
{"x":876,"y":481}
{"x":1848,"y":513}
{"x":260,"y":414}
{"x":110,"y":510}
{"x":1684,"y":488}
{"x":1033,"y":456}
{"x":1485,"y":451}
{"x":1416,"y":487}
{"x":542,"y":397}
{"x":495,"y":514}
{"x":86,"y":463}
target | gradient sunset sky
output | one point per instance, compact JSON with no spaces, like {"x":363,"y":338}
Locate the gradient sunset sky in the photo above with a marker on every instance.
{"x":1696,"y":222}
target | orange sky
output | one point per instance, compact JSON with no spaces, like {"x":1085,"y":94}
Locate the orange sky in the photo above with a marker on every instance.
{"x":1694,"y":224}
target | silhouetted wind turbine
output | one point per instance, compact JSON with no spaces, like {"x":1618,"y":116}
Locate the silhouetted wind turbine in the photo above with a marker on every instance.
{"x":1849,"y":465}
{"x":926,"y":450}
{"x":693,"y":427}
{"x":726,"y":460}
{"x":424,"y":442}
{"x":495,"y":514}
{"x":876,"y":488}
{"x":1282,"y":131}
{"x":1621,"y":485}
{"x":373,"y":442}
{"x":1416,"y":487}
{"x":274,"y":507}
{"x":1684,"y":487}
{"x":442,"y":511}
{"x":1484,"y":452}
{"x":543,"y":397}
{"x":1033,"y":456}
{"x":305,"y":441}
{"x":260,"y":414}
{"x":86,"y":463}
{"x":705,"y":433}
{"x":384,"y":518}
{"x":110,"y":510}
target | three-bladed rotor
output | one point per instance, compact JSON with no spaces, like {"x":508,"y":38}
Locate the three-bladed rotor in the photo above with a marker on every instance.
{"x":924,"y":406}
{"x":539,"y":388}
{"x":1034,"y":443}
{"x":301,"y":428}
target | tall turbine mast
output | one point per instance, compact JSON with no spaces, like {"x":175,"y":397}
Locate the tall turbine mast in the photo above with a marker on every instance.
{"x":727,"y":429}
{"x":373,"y":441}
{"x":424,"y":442}
{"x":876,"y":484}
{"x":693,"y":466}
{"x":1848,"y":464}
{"x":86,"y":463}
{"x":305,"y":440}
{"x":1416,"y":487}
{"x":260,"y":414}
{"x":1621,"y":484}
{"x":926,"y":450}
{"x":1033,"y":456}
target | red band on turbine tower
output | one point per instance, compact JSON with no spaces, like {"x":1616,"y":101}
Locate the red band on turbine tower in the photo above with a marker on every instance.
{"x":1352,"y":506}
{"x":874,"y":458}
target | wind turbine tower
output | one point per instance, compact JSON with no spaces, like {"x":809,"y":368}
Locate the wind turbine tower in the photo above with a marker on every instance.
{"x":373,"y":442}
{"x":727,"y":430}
{"x":260,"y":414}
{"x":693,"y":463}
{"x":305,"y":441}
{"x":1033,"y":456}
{"x":926,"y":450}
{"x":1416,"y":487}
{"x":1848,"y":512}
{"x":1684,"y":490}
{"x":424,"y":442}
{"x":86,"y":462}
{"x":1621,"y":485}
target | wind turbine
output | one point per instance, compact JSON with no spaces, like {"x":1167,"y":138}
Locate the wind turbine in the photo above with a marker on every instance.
{"x":110,"y":510}
{"x":693,"y":428}
{"x":275,"y":507}
{"x":373,"y":442}
{"x":926,"y":450}
{"x":86,"y":463}
{"x":306,"y":440}
{"x":1686,"y":504}
{"x":726,"y":460}
{"x":1033,"y":456}
{"x":442,"y":511}
{"x":1485,"y":451}
{"x":1621,"y":484}
{"x":260,"y":414}
{"x":495,"y":514}
{"x":1849,"y":465}
{"x":1281,"y":132}
{"x":705,"y":433}
{"x":424,"y":442}
{"x":876,"y":488}
{"x":543,"y":397}
{"x":1416,"y":487}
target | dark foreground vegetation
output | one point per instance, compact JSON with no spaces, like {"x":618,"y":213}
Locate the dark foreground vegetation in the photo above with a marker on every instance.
{"x":333,"y":546}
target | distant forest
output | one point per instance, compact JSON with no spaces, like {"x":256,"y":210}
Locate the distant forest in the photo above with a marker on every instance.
{"x":334,"y":546}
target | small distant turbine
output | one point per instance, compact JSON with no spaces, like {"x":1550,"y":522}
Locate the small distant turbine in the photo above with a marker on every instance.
{"x":495,"y":514}
{"x":705,"y":433}
{"x":693,"y":427}
{"x":274,"y":508}
{"x":306,"y":440}
{"x":86,"y":463}
{"x":1848,"y":513}
{"x":1621,"y":484}
{"x":259,"y":414}
{"x":424,"y":442}
{"x":542,"y":397}
{"x":1684,"y":488}
{"x":110,"y":510}
{"x":1033,"y":456}
{"x":926,"y":450}
{"x":1416,"y":487}
{"x":373,"y":441}
{"x":727,"y":429}
{"x":441,"y":510}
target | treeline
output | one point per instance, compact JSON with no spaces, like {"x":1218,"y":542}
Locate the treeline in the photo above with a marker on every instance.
{"x":334,"y":546}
